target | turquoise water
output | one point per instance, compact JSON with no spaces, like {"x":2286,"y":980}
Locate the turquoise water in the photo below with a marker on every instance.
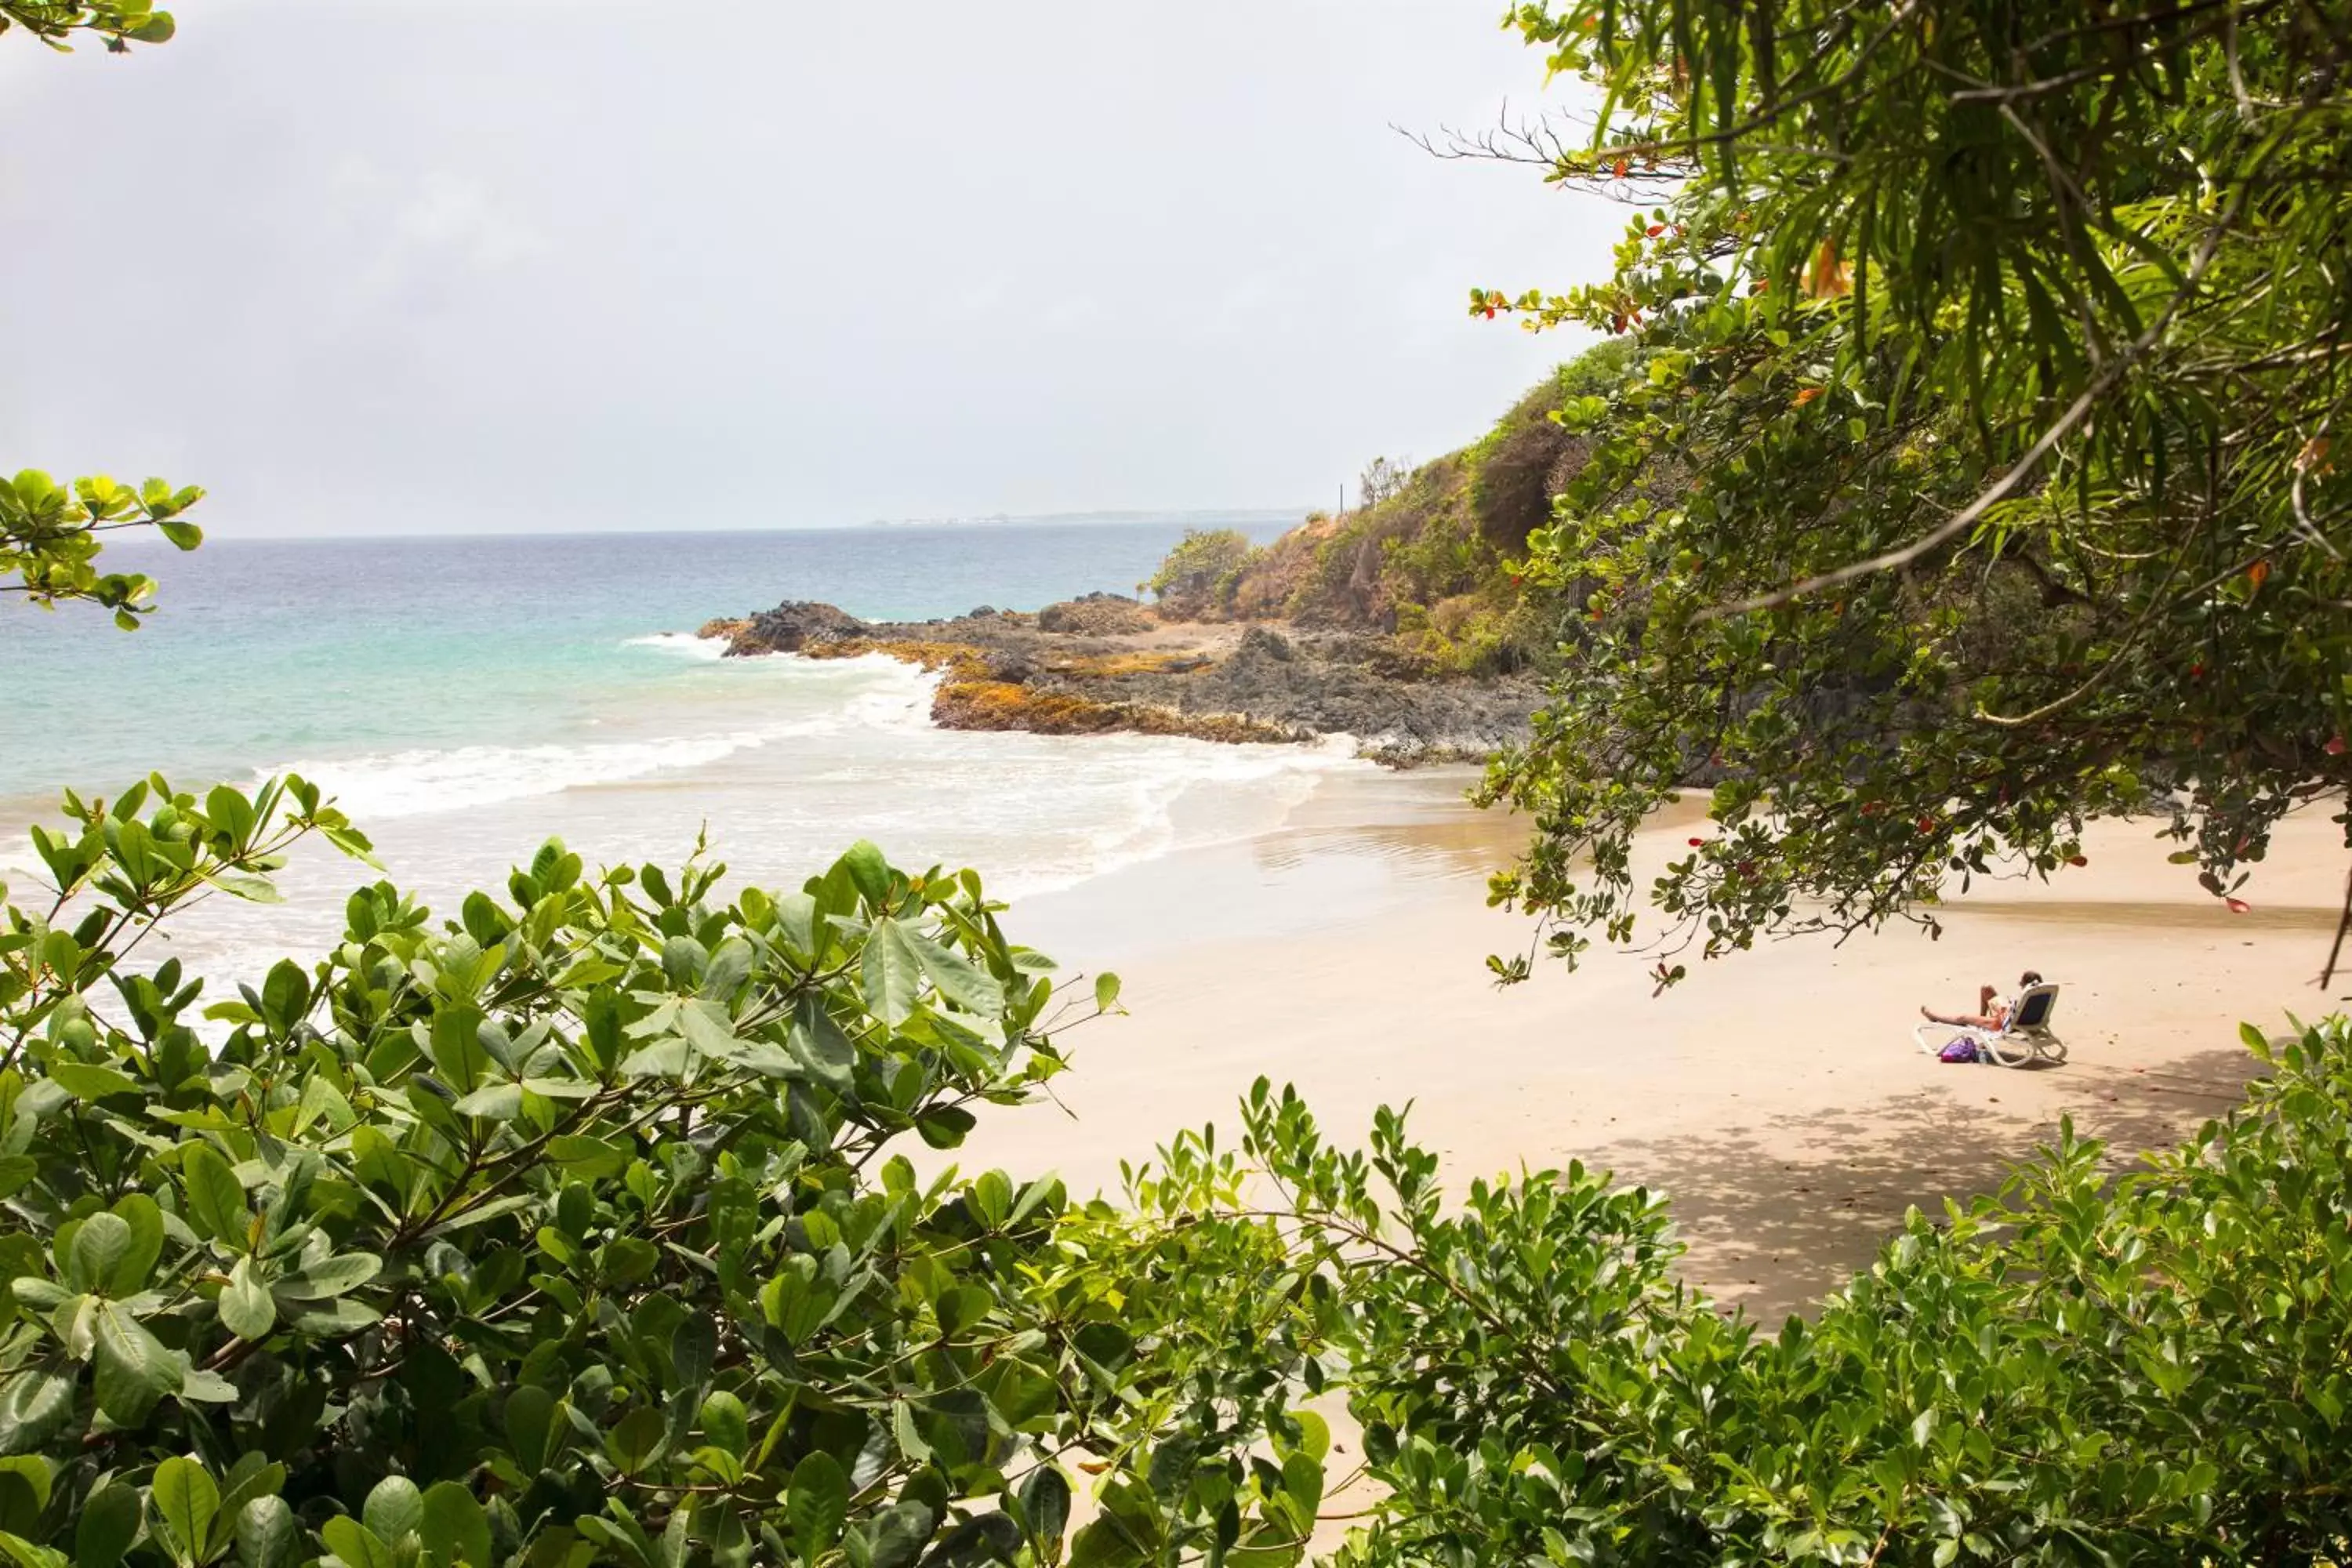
{"x":464,"y":699}
{"x":267,"y":654}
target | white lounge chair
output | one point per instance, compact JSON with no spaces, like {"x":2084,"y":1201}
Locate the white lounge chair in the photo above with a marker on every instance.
{"x":2023,"y":1040}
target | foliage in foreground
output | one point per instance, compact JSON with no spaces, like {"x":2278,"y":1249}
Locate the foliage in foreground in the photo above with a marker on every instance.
{"x":566,"y":1231}
{"x":2075,"y":1372}
{"x":571,"y":1231}
{"x":2005,"y":346}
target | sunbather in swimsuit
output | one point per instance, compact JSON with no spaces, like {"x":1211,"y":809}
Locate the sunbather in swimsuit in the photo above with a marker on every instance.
{"x":1988,"y":1016}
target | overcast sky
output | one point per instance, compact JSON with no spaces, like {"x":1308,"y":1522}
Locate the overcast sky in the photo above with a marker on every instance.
{"x":395,"y":265}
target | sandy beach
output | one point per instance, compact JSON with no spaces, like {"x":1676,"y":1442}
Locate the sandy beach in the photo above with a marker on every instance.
{"x":1777,"y":1096}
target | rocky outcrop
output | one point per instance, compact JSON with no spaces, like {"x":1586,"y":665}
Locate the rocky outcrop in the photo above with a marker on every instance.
{"x":1107,"y":664}
{"x":796,"y":626}
{"x":1096,"y":615}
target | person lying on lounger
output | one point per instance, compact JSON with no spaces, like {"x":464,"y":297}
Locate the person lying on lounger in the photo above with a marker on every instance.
{"x":1992,"y":1012}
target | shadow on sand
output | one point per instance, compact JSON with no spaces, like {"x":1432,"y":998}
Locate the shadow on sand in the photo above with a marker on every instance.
{"x":1779,"y":1214}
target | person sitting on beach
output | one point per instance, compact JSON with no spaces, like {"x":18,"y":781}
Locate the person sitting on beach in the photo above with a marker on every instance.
{"x":1992,"y":1012}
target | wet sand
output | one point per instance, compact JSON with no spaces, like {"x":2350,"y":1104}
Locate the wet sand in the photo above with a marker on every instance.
{"x":1777,"y":1095}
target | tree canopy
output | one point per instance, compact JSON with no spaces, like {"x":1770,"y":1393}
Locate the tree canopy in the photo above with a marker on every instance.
{"x":1974,"y":472}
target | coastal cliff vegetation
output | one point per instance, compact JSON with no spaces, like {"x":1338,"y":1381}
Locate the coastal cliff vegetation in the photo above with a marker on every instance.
{"x":574,"y":1228}
{"x":1432,"y":558}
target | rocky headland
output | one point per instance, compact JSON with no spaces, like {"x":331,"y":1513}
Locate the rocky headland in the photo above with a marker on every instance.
{"x":1105,"y":664}
{"x":1407,"y":622}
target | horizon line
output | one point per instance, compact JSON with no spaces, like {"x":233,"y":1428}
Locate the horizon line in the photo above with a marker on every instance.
{"x":1122,"y":517}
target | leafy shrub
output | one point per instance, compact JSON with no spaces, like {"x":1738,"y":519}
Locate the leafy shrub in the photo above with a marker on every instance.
{"x":566,"y":1232}
{"x":1199,"y":571}
{"x":2079,"y":1371}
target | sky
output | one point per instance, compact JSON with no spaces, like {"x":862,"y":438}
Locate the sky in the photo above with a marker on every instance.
{"x":375,"y":267}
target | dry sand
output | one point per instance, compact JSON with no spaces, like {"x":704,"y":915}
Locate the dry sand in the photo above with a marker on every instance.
{"x":1777,"y":1096}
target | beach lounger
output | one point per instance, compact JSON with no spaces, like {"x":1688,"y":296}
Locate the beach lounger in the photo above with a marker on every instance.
{"x":2024,"y":1040}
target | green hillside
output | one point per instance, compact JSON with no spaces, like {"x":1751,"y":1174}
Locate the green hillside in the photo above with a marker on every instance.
{"x":1431,"y":560}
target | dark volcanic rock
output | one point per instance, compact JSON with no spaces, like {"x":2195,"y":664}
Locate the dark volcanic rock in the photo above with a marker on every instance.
{"x":1104,"y":663}
{"x":792,"y":626}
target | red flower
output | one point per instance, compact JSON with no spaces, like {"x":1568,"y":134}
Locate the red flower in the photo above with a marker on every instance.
{"x":2237,"y":906}
{"x":1697,"y":843}
{"x":2077,"y":860}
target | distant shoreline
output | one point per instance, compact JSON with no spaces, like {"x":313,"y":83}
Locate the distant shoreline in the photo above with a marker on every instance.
{"x":1240,"y":517}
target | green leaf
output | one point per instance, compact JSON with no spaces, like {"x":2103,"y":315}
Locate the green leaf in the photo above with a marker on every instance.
{"x":186,"y":1501}
{"x":492,"y":1103}
{"x":818,"y":1043}
{"x":1106,"y":991}
{"x":1302,"y":1477}
{"x":107,"y":1524}
{"x":89,"y":1083}
{"x":330,"y":1278}
{"x":134,"y":1370}
{"x":394,"y":1510}
{"x":358,"y":1546}
{"x":267,"y":1535}
{"x":183,"y":535}
{"x":992,"y":1198}
{"x":1045,"y":1503}
{"x":34,"y":1404}
{"x":247,"y":1308}
{"x":726,"y":1425}
{"x":456,"y":1528}
{"x":693,"y":1348}
{"x":816,"y":1504}
{"x":245,"y":885}
{"x":132,"y":1270}
{"x":24,"y":1493}
{"x":899,"y":1533}
{"x":869,"y":873}
{"x":891,"y":971}
{"x":215,"y":1198}
{"x":635,"y":1441}
{"x":957,"y":980}
{"x":531,"y":1425}
{"x":591,"y":1159}
{"x":910,"y":1441}
{"x":101,"y":1248}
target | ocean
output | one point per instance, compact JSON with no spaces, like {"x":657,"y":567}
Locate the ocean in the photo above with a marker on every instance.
{"x":465,"y":699}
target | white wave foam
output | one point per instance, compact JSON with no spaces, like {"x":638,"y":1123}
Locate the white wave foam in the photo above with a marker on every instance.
{"x":1196,"y":795}
{"x":682,"y":643}
{"x":871,"y":692}
{"x":406,"y":784}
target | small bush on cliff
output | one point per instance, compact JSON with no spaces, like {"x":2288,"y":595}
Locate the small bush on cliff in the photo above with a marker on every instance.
{"x":1197,"y":574}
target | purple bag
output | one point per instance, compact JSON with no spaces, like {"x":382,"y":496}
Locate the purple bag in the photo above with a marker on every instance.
{"x":1963,"y":1049}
